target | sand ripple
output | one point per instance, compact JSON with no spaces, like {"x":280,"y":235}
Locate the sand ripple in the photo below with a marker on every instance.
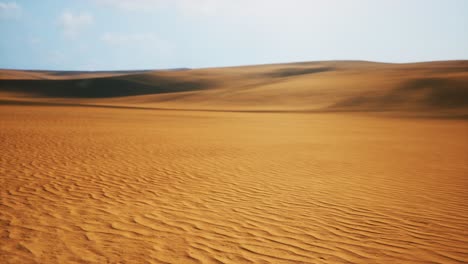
{"x":87,"y":185}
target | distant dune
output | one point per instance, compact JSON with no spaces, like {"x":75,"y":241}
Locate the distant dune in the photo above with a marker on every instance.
{"x":419,"y":88}
{"x":315,"y":162}
{"x":6,"y":74}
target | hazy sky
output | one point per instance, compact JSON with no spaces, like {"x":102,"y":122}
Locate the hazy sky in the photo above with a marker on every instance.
{"x":150,"y":34}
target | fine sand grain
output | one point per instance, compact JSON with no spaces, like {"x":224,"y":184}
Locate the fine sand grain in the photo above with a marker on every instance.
{"x":350,"y":182}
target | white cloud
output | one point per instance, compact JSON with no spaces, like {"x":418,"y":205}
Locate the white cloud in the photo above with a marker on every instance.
{"x":196,"y":6}
{"x":124,"y":39}
{"x":9,"y":10}
{"x":141,"y":41}
{"x":261,"y":12}
{"x":73,"y":24}
{"x":134,"y":4}
{"x":139,"y":44}
{"x":216,"y":6}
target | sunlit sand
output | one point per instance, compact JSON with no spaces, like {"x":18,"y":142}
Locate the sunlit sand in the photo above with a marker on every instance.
{"x":328,"y":162}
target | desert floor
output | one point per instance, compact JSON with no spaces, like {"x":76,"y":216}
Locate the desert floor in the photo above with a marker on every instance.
{"x":374,"y":174}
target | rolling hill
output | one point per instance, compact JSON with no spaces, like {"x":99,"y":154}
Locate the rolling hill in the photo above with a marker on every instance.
{"x":439,"y":88}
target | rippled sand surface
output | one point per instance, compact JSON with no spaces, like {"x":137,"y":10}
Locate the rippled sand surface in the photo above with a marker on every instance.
{"x":104,"y":185}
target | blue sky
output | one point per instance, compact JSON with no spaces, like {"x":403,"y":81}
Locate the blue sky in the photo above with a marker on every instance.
{"x":158,"y":34}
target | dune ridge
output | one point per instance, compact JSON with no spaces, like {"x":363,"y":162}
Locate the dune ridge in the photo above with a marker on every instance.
{"x":8,"y":74}
{"x":312,"y":162}
{"x":341,"y":85}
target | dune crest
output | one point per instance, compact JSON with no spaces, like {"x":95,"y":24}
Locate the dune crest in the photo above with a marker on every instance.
{"x":432,"y":87}
{"x":289,"y":163}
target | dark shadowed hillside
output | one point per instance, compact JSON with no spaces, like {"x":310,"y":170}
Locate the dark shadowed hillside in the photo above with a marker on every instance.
{"x":432,"y":87}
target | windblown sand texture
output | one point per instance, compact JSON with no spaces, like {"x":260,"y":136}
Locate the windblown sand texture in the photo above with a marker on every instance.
{"x":323,"y":162}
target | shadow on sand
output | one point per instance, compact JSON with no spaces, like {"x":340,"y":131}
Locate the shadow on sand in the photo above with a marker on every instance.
{"x":424,"y":92}
{"x":101,"y":87}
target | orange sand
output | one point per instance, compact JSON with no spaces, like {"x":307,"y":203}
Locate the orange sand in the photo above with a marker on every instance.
{"x":314,"y":177}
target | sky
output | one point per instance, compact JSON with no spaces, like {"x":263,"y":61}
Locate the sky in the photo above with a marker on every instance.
{"x":165,"y":34}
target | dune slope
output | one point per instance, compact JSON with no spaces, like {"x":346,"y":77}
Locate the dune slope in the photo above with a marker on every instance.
{"x":327,"y":162}
{"x":433,"y":87}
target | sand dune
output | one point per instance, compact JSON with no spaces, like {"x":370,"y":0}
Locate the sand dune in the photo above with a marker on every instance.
{"x":435,"y":87}
{"x":6,"y":74}
{"x":287,"y":163}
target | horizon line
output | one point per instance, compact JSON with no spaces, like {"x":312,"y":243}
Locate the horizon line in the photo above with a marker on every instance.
{"x":232,"y":66}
